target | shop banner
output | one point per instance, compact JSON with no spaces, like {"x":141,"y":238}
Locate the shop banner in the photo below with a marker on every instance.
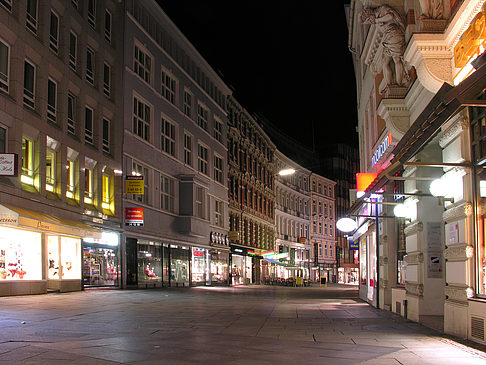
{"x":133,"y":216}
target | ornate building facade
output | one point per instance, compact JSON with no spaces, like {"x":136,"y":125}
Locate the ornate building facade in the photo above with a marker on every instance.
{"x":251,"y":195}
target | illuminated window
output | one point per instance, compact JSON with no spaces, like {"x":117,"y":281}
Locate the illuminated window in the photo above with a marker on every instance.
{"x":27,"y":161}
{"x":71,"y":178}
{"x":50,"y":170}
{"x":107,"y":198}
{"x":88,"y":186}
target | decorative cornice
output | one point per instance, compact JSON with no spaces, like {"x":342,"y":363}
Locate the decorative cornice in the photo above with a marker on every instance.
{"x":414,"y":258}
{"x":459,"y":126}
{"x":414,"y":227}
{"x":459,"y":252}
{"x":396,"y":116}
{"x":456,"y":293}
{"x":414,"y":289}
{"x":457,"y":212}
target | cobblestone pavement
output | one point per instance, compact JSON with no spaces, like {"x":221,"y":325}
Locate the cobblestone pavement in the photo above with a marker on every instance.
{"x":243,"y":325}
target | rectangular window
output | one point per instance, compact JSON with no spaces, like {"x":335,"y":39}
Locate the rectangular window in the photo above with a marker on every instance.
{"x":142,"y":65}
{"x":187,"y":149}
{"x":51,"y":100}
{"x":167,"y":194}
{"x":167,"y":138}
{"x":88,"y":125}
{"x":106,"y":79}
{"x":202,"y":116}
{"x":139,"y":170}
{"x":31,"y":16}
{"x":27,"y":161}
{"x":7,"y":4}
{"x":71,"y":114}
{"x":107,"y":199}
{"x":4,"y":65}
{"x":168,"y":87}
{"x":218,"y":169}
{"x":71,"y":176}
{"x":90,"y":65}
{"x":3,"y":139}
{"x":29,"y":84}
{"x":199,"y":202}
{"x":218,"y":130}
{"x":106,"y":140}
{"x":54,"y":32}
{"x":141,"y":119}
{"x":107,"y":25}
{"x":218,"y":213}
{"x":92,"y":13}
{"x":187,"y":107}
{"x":202,"y":156}
{"x":73,"y":49}
{"x":50,"y":170}
{"x":88,"y":186}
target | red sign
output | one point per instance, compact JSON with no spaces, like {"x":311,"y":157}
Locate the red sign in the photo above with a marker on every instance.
{"x":133,"y":216}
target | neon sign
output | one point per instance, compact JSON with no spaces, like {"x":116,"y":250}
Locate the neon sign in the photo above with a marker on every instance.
{"x":381,"y":150}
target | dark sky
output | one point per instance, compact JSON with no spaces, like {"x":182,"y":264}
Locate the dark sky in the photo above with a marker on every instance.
{"x":287,"y":60}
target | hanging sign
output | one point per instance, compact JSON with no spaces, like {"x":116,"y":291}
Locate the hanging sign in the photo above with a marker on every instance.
{"x":134,"y":216}
{"x":353,"y":245}
{"x":8,"y":164}
{"x":134,"y":185}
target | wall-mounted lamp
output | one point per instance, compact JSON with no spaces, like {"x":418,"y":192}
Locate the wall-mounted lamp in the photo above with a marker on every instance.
{"x":440,"y":188}
{"x":286,"y":172}
{"x":346,"y":224}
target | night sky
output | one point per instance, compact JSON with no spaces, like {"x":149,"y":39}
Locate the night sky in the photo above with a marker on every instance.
{"x":287,"y":60}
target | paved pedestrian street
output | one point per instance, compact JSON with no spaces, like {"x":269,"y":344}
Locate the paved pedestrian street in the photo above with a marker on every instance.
{"x":243,"y":325}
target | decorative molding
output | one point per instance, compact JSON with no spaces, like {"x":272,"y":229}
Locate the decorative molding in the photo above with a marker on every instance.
{"x":451,"y":133}
{"x":459,"y":252}
{"x":414,"y":258}
{"x":414,"y":289}
{"x":384,"y":284}
{"x":396,"y":116}
{"x":414,"y":227}
{"x":457,"y":212}
{"x":456,"y":293}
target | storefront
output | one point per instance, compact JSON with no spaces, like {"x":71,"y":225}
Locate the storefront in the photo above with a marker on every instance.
{"x":40,"y":253}
{"x":241,"y":266}
{"x":100,"y":263}
{"x":219,"y":266}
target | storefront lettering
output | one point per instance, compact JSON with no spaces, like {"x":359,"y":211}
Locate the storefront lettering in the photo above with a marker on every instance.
{"x":42,"y":225}
{"x":381,"y":150}
{"x":472,"y":41}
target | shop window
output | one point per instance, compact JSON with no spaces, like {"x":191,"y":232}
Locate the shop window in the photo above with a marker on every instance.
{"x":199,"y":266}
{"x":20,"y":254}
{"x":70,"y":258}
{"x":4,"y":65}
{"x":149,"y":259}
{"x":100,"y":265}
{"x":27,"y":176}
{"x":53,"y":257}
{"x":179,"y":265}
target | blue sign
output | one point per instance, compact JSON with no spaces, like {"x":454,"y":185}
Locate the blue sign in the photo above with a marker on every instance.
{"x":353,"y":246}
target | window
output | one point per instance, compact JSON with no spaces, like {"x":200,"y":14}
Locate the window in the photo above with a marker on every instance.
{"x":218,"y":213}
{"x":106,"y":79}
{"x":31,"y":16}
{"x":51,"y":100}
{"x":27,"y":161}
{"x":202,"y":116}
{"x":88,"y":125}
{"x":71,"y":114}
{"x":29,"y":84}
{"x":187,"y":107}
{"x":7,"y":4}
{"x":142,"y":64}
{"x":107,"y":198}
{"x":73,"y":49}
{"x":106,"y":140}
{"x":50,"y":170}
{"x":141,"y":119}
{"x":218,"y":169}
{"x":88,"y":185}
{"x":90,"y":65}
{"x":139,"y":170}
{"x":199,"y":202}
{"x":168,"y":87}
{"x":92,"y":13}
{"x":107,"y":25}
{"x":3,"y":139}
{"x":71,"y":178}
{"x":218,"y":130}
{"x":187,"y":149}
{"x":167,"y":138}
{"x":202,"y":156}
{"x":167,"y":194}
{"x":54,"y":32}
{"x":4,"y":65}
{"x":325,"y":250}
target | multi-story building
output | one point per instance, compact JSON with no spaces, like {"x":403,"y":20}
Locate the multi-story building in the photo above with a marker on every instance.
{"x":420,"y":75}
{"x":322,"y":232}
{"x":175,"y":131}
{"x":292,"y":219}
{"x":60,"y":123}
{"x":251,"y":196}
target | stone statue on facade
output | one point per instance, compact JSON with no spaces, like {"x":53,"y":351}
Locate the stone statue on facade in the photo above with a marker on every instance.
{"x":432,"y":9}
{"x":390,"y":25}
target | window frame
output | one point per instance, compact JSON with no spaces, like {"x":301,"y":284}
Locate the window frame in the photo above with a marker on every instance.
{"x":188,"y":148}
{"x":168,"y":86}
{"x":140,"y":123}
{"x":32,"y":20}
{"x":218,"y":170}
{"x":92,"y":13}
{"x":167,"y":193}
{"x":218,"y":130}
{"x":51,"y":181}
{"x":51,"y":109}
{"x":4,"y":78}
{"x":73,"y":50}
{"x":187,"y":104}
{"x":54,"y":39}
{"x":219,"y":214}
{"x":203,"y":163}
{"x":106,"y":138}
{"x":89,"y":132}
{"x":202,"y":116}
{"x":90,"y":65}
{"x":168,"y":136}
{"x":29,"y":99}
{"x":107,"y":83}
{"x":140,"y":66}
{"x":107,"y":30}
{"x":71,"y":119}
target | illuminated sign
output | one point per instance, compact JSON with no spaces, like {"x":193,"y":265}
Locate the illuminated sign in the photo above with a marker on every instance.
{"x":472,"y":41}
{"x":381,"y":150}
{"x":363,"y":180}
{"x":134,"y":185}
{"x":353,"y":245}
{"x":133,"y":216}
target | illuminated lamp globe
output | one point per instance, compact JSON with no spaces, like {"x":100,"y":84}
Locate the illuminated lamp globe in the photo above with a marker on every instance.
{"x":438,"y":187}
{"x":401,"y":211}
{"x":286,"y":172}
{"x":346,"y":225}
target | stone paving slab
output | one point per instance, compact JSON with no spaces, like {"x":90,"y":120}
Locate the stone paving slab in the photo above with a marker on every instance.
{"x":243,"y":325}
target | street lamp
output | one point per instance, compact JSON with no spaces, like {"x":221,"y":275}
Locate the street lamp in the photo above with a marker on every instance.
{"x":346,"y":225}
{"x":286,"y":172}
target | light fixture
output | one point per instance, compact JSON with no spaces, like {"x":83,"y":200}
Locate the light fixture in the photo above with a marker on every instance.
{"x":346,"y":224}
{"x":401,"y":211}
{"x":438,"y":188}
{"x":286,"y":172}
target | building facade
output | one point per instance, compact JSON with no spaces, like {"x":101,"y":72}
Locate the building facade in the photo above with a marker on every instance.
{"x":421,"y":107}
{"x":251,"y":194}
{"x":323,"y":238}
{"x":175,"y":138}
{"x":60,"y":145}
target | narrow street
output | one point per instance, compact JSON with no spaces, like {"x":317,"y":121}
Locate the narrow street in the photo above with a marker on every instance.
{"x":243,"y":325}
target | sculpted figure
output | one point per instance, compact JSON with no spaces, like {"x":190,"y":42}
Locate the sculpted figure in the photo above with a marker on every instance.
{"x":390,"y":24}
{"x":431,"y":9}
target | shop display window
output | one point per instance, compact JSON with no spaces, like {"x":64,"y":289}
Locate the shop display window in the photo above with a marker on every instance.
{"x":362,"y":261}
{"x":179,"y":265}
{"x":100,"y":266}
{"x":219,"y":268}
{"x":20,"y":254}
{"x":149,"y":257}
{"x":53,"y":271}
{"x":199,"y":267}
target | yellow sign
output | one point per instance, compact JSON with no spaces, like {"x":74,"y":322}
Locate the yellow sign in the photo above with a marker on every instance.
{"x":134,"y":185}
{"x":472,"y":42}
